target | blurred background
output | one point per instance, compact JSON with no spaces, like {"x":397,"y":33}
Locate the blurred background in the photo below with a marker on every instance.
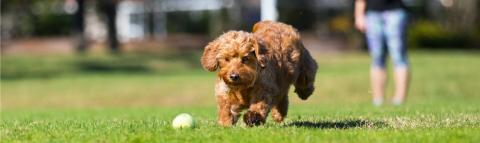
{"x":84,"y":53}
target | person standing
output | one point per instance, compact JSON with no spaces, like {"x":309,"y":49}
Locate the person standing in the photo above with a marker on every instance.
{"x":385,"y":21}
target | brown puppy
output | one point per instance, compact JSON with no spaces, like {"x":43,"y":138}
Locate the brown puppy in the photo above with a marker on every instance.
{"x":256,"y":71}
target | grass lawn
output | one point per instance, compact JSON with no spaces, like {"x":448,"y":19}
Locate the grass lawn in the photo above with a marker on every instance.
{"x":87,"y":104}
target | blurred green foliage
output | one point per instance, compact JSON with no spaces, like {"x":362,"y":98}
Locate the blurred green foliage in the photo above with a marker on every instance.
{"x":18,"y":67}
{"x":429,"y":34}
{"x":188,"y":22}
{"x":36,"y":18}
{"x":28,"y":67}
{"x":52,"y":24}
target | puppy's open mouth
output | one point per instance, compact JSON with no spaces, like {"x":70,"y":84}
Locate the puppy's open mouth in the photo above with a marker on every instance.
{"x":236,"y":84}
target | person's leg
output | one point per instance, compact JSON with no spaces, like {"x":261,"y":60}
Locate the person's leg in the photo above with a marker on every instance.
{"x":395,"y":24}
{"x":378,"y":75}
{"x":402,"y":77}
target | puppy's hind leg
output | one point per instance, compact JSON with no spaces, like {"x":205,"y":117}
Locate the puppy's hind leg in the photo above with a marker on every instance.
{"x":308,"y":68}
{"x":279,"y":111}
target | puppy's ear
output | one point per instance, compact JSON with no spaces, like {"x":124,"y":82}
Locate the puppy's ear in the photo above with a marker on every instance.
{"x":209,"y":60}
{"x":260,"y":52}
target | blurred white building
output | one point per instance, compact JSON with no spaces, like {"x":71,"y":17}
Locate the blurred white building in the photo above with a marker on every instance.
{"x":131,"y":20}
{"x":135,"y":16}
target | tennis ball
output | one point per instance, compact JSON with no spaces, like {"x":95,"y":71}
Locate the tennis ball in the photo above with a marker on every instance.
{"x":183,"y":120}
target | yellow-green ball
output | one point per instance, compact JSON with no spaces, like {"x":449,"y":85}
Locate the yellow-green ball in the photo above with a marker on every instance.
{"x":182,"y":121}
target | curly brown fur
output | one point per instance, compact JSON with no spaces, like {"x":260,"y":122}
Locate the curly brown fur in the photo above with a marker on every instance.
{"x":255,"y":71}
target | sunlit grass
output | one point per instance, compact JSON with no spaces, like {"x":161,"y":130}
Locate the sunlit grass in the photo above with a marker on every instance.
{"x":78,"y":106}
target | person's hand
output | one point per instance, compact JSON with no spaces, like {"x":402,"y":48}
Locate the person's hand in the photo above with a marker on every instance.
{"x":360,"y":23}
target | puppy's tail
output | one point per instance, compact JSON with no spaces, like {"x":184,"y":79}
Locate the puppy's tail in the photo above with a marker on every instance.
{"x":308,"y":68}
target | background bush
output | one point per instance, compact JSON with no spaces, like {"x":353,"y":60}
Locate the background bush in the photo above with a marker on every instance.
{"x":428,"y":34}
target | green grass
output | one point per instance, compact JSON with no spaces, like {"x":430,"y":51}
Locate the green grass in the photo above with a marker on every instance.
{"x":78,"y":106}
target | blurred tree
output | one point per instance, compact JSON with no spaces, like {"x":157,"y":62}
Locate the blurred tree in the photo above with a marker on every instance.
{"x":461,"y":14}
{"x":106,"y":7}
{"x":16,"y":18}
{"x":109,"y":8}
{"x":79,"y":24}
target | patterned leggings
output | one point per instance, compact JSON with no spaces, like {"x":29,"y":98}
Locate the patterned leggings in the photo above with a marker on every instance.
{"x":389,"y":27}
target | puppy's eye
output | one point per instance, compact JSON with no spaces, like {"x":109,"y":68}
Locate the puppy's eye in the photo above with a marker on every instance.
{"x":244,"y":60}
{"x":227,"y":59}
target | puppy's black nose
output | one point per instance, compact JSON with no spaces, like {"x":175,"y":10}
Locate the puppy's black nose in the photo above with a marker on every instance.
{"x":234,"y":77}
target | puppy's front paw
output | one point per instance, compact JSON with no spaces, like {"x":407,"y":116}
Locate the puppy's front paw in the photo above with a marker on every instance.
{"x":225,"y":123}
{"x":253,"y":119}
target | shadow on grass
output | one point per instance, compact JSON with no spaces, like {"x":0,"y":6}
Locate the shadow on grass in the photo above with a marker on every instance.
{"x":113,"y":64}
{"x":142,"y":62}
{"x":346,"y":124}
{"x":169,"y":61}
